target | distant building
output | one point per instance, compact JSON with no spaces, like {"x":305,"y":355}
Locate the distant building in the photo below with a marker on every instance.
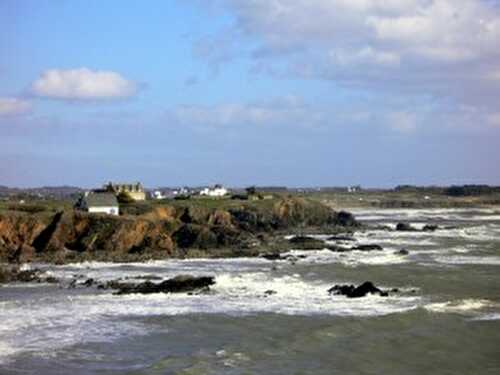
{"x":157,"y":194}
{"x":216,"y":191}
{"x":99,"y":202}
{"x":136,"y":191}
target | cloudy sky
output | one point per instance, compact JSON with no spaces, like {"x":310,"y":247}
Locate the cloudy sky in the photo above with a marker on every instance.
{"x":274,"y":92}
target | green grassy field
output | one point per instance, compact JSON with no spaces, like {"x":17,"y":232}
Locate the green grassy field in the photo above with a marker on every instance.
{"x":335,"y":200}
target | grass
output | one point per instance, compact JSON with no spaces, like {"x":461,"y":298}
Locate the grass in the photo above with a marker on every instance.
{"x":393,"y":199}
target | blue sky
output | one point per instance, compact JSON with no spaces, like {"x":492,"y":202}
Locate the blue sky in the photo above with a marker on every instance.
{"x":267,"y":92}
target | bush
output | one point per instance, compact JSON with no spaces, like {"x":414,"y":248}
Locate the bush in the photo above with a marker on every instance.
{"x":29,"y":208}
{"x":125,"y":197}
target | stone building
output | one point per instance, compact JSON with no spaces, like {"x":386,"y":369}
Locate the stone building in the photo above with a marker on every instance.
{"x":136,"y":191}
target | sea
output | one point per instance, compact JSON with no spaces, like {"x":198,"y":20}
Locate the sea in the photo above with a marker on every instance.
{"x":277,"y":317}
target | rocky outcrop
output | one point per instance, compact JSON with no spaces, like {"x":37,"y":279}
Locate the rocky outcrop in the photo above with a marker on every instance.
{"x":368,"y":247}
{"x":186,"y":229}
{"x":306,"y":243}
{"x":179,"y":284}
{"x":9,"y":274}
{"x":352,"y":291}
{"x":405,"y":227}
{"x":17,"y":233}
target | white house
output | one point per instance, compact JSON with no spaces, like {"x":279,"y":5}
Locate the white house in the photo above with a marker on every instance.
{"x":97,"y":202}
{"x":157,"y":194}
{"x":216,"y":191}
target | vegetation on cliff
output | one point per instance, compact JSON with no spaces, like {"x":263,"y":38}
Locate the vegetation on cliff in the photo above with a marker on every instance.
{"x":178,"y":229}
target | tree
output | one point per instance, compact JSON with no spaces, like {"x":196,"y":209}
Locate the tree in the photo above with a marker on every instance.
{"x":125,"y":197}
{"x":252,"y":190}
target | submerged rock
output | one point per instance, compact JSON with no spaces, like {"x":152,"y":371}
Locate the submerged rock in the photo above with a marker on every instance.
{"x":341,"y":238}
{"x":368,"y":247}
{"x":338,"y":249}
{"x":11,"y":274}
{"x":178,"y":284}
{"x":271,"y":256}
{"x":307,"y":243}
{"x":405,"y":227}
{"x":352,"y":291}
{"x":430,"y":228}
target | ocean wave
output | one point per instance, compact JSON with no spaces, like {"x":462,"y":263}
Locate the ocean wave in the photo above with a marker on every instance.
{"x":53,"y":323}
{"x":462,"y":260}
{"x":460,"y":306}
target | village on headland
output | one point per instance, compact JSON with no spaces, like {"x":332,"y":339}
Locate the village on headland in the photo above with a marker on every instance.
{"x":110,"y":196}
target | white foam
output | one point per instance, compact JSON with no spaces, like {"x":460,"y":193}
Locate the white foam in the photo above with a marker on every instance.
{"x":493,"y":316}
{"x":460,"y":306}
{"x":459,"y":260}
{"x":350,"y":258}
{"x":52,"y":323}
{"x":468,"y":214}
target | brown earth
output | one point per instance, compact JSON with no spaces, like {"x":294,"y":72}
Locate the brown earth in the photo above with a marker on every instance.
{"x":164,"y":232}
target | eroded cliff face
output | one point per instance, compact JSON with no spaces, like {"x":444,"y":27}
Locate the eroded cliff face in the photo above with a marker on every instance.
{"x":17,"y":233}
{"x":24,"y":237}
{"x":164,"y":232}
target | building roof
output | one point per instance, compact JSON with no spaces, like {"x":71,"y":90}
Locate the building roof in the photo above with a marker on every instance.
{"x":101,"y":200}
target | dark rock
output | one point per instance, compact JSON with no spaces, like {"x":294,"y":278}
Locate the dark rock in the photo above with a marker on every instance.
{"x":179,"y":284}
{"x":271,"y":256}
{"x":356,"y":292}
{"x":368,"y":247}
{"x":88,"y":282}
{"x":341,"y":238}
{"x":27,"y":276}
{"x":429,"y":228}
{"x":346,"y":219}
{"x":302,"y":239}
{"x":270,"y":292}
{"x":12,"y":274}
{"x":147,"y":277}
{"x":338,"y":249}
{"x":307,"y":243}
{"x":51,"y":280}
{"x":403,"y":252}
{"x":405,"y":227}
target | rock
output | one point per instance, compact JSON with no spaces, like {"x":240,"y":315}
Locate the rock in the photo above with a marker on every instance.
{"x":356,"y":292}
{"x":179,"y":284}
{"x":429,"y":228}
{"x":147,"y":277}
{"x":12,"y":274}
{"x":338,"y":249}
{"x":270,"y":292}
{"x":307,"y":243}
{"x":402,"y":252}
{"x":405,"y":227}
{"x":341,"y":238}
{"x":88,"y":282}
{"x":368,"y":247}
{"x":271,"y":256}
{"x":51,"y":280}
{"x":346,"y":219}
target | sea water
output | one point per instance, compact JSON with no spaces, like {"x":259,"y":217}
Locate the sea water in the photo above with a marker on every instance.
{"x":276,"y":317}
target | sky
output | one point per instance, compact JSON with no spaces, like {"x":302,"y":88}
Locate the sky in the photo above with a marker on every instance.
{"x":249,"y":92}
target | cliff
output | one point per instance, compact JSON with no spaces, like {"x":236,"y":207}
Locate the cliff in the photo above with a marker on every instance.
{"x":184,"y":230}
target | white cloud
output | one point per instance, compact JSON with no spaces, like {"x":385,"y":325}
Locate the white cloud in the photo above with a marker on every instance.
{"x":429,"y":47}
{"x":493,"y":119}
{"x":366,"y":55}
{"x":14,"y":106}
{"x":279,"y":111}
{"x":404,"y":122}
{"x":82,"y":84}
